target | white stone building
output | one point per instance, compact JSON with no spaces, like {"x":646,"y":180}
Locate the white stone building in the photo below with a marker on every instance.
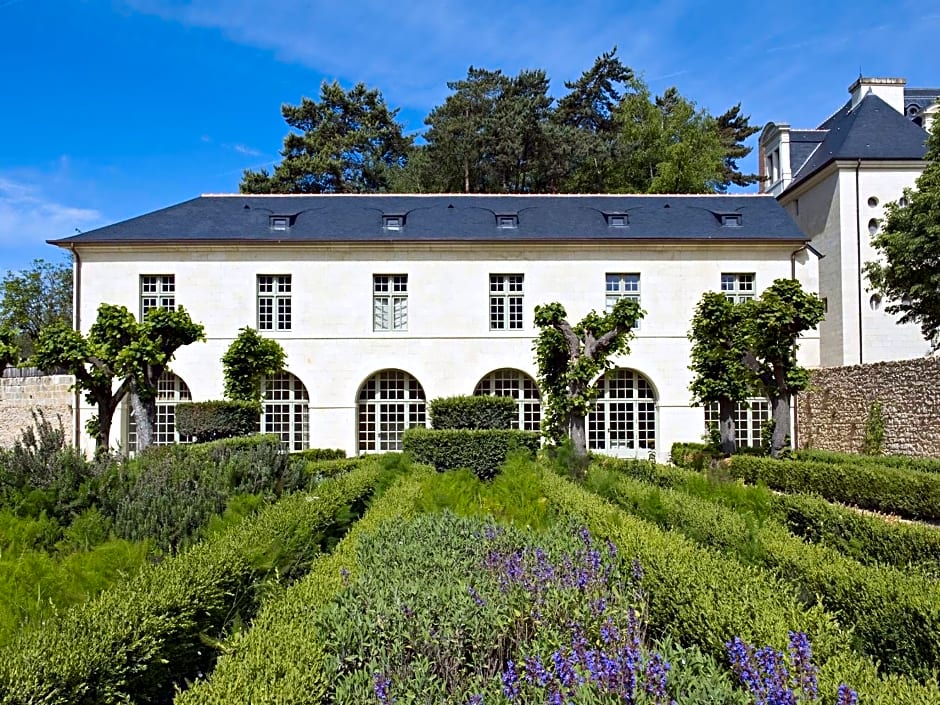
{"x":384,"y":302}
{"x":835,"y":180}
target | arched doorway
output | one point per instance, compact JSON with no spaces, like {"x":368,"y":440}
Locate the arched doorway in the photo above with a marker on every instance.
{"x":623,"y":421}
{"x":389,"y":402}
{"x":517,"y":385}
{"x":171,"y":390}
{"x":285,"y":410}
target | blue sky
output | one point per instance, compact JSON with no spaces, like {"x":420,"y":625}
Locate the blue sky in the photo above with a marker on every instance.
{"x":109,"y":109}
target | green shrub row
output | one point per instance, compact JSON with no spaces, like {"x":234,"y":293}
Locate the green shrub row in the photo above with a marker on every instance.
{"x":908,"y":493}
{"x":895,"y":615}
{"x":702,"y":597}
{"x":691,"y":455}
{"x":280,"y":658}
{"x":868,"y":539}
{"x":212,"y":420}
{"x":891,"y":461}
{"x":467,"y":412}
{"x":138,"y":641}
{"x":315,"y":455}
{"x":483,"y":451}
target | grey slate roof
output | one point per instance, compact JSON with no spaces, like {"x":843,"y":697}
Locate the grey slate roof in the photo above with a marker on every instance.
{"x":360,"y":218}
{"x":872,"y":131}
{"x":802,"y":145}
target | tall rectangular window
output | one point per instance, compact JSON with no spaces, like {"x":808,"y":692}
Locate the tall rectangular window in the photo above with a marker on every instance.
{"x":274,"y":302}
{"x":750,"y":417}
{"x":506,"y":301}
{"x":737,"y":287}
{"x":390,"y":302}
{"x":622,"y":286}
{"x":157,"y":291}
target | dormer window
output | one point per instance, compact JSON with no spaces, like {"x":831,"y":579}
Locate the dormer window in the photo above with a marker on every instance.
{"x":617,"y":220}
{"x":280,"y":222}
{"x":507,"y":221}
{"x":731,"y":220}
{"x":394,"y":222}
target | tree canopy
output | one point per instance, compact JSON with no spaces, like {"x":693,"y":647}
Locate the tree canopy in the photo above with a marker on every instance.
{"x":498,"y":133}
{"x":909,"y":243}
{"x":249,"y":359}
{"x":119,"y":356}
{"x":35,"y":298}
{"x":570,"y":358}
{"x":347,"y":142}
{"x":9,"y":350}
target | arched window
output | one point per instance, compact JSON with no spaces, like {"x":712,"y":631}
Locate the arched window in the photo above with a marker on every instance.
{"x":749,"y":419}
{"x":170,"y":391}
{"x":517,"y":385}
{"x":624,"y":418}
{"x":285,"y":411}
{"x":389,"y":402}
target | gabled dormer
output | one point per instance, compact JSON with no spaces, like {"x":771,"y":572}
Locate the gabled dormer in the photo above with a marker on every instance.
{"x":774,"y":149}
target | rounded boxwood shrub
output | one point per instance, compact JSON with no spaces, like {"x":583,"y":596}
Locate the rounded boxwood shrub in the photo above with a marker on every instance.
{"x":481,"y":450}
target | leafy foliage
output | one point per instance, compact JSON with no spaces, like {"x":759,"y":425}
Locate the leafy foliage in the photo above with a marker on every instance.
{"x":481,"y":450}
{"x":873,"y":442}
{"x":34,"y":299}
{"x":9,"y":350}
{"x":249,"y":359}
{"x":909,"y":243}
{"x":469,"y":412}
{"x":348,"y":142}
{"x":570,"y":358}
{"x":212,"y":420}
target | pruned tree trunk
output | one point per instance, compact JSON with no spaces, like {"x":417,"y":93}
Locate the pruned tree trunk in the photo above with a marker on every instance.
{"x":106,"y":409}
{"x":726,"y":425}
{"x":781,"y":415}
{"x":576,"y":430}
{"x":145,"y":416}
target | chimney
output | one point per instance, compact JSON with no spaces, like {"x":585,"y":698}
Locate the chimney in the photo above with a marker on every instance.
{"x":890,"y":90}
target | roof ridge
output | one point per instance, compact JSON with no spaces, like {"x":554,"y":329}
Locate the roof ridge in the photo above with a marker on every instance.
{"x":481,"y":195}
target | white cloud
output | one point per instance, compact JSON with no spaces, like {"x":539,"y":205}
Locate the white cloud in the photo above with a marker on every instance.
{"x":28,"y":216}
{"x":243,"y":149}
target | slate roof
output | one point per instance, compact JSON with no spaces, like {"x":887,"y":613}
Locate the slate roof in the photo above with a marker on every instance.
{"x":444,"y":218}
{"x":873,"y":130}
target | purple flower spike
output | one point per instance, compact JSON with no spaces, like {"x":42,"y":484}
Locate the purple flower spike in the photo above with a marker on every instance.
{"x":846,"y":696}
{"x":381,"y":687}
{"x":510,"y":681}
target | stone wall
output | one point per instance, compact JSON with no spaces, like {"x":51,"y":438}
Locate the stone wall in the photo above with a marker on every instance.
{"x":25,"y":390}
{"x":832,"y":415}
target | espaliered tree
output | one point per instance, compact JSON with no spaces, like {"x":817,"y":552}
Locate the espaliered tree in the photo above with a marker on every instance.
{"x":718,"y":347}
{"x":570,"y":358}
{"x":117,"y":357}
{"x":249,"y":359}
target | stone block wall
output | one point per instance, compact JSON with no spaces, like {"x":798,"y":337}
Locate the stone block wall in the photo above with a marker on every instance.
{"x":832,"y":414}
{"x":23,"y":391}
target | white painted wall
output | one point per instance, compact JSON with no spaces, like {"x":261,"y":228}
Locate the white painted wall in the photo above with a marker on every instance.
{"x":448,"y":346}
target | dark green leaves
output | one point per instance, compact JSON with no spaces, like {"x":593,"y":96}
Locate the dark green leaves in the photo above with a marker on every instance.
{"x":247,"y":361}
{"x":34,"y":299}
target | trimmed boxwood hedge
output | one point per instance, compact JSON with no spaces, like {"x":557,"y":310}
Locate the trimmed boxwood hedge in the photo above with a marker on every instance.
{"x":315,"y":455}
{"x":909,"y":493}
{"x":136,"y":642}
{"x":466,"y":412}
{"x":212,"y":420}
{"x":891,"y":461}
{"x":482,"y":450}
{"x":702,"y":597}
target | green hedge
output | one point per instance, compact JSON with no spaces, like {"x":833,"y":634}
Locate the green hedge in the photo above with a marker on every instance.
{"x":280,"y":660}
{"x":315,"y":455}
{"x":868,"y":539}
{"x":212,"y":420}
{"x":702,"y":597}
{"x":895,"y":615}
{"x":472,"y":412}
{"x":691,"y":455}
{"x":891,"y":461}
{"x":138,"y":641}
{"x":905,"y":492}
{"x":483,"y":451}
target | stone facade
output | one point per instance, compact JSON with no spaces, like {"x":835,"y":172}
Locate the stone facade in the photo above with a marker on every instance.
{"x":23,"y":391}
{"x":832,"y":415}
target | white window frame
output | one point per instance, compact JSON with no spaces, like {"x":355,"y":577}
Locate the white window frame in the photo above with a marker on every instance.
{"x":750,"y":416}
{"x":274,"y":307}
{"x":389,"y":403}
{"x":506,"y":302}
{"x":516,"y":385}
{"x":171,"y":390}
{"x":738,"y":286}
{"x":285,"y":410}
{"x":621,"y":286}
{"x":157,"y":291}
{"x":389,"y":302}
{"x":625,"y":416}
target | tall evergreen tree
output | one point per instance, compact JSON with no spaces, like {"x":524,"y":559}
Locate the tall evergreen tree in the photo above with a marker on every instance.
{"x":348,"y":142}
{"x":733,"y":129}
